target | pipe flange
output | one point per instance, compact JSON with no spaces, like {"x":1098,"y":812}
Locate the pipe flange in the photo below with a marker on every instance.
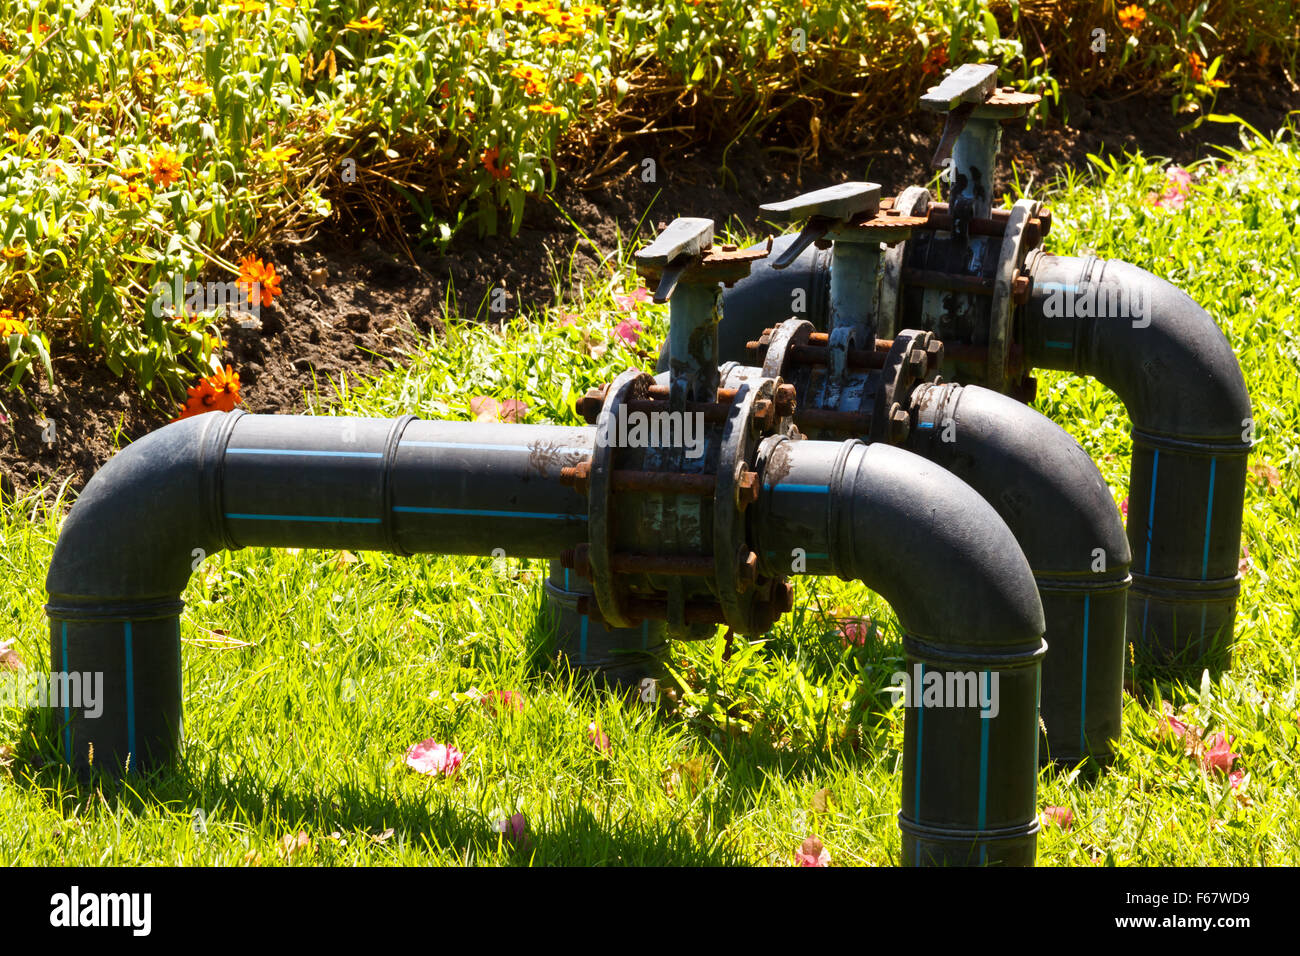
{"x":632,"y":385}
{"x":788,"y":333}
{"x":747,"y":609}
{"x":1011,"y":259}
{"x":914,"y":358}
{"x":912,"y":201}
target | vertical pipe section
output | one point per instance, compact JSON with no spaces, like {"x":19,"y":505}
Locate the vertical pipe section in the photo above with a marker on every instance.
{"x":1173,"y":368}
{"x":1049,"y":492}
{"x":972,"y":622}
{"x":159,"y":507}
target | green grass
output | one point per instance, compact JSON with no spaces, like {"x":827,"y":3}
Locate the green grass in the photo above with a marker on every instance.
{"x":307,"y":675}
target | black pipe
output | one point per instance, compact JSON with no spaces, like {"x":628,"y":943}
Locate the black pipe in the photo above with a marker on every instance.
{"x":1176,"y":374}
{"x":1058,"y":506}
{"x":966,"y":600}
{"x":159,"y":507}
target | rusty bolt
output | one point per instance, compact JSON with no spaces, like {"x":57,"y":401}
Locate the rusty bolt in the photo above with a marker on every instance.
{"x":577,"y":476}
{"x":916,"y":362}
{"x":589,"y":405}
{"x":764,"y":412}
{"x":934,"y":349}
{"x":1045,"y":217}
{"x":765,"y":339}
{"x":900,"y":423}
{"x":1020,"y":289}
{"x":785,"y":399}
{"x":747,"y":489}
{"x":747,"y":572}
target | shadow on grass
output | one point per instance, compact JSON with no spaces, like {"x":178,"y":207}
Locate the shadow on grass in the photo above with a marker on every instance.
{"x":573,"y":837}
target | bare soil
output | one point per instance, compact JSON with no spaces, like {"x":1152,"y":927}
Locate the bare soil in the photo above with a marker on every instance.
{"x":371,"y":304}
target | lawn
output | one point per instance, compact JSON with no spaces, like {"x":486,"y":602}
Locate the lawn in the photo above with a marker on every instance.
{"x":309,"y":674}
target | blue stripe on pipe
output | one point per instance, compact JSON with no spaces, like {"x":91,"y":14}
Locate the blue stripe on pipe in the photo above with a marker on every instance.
{"x":566,"y":579}
{"x":130,"y":695}
{"x":67,"y":705}
{"x":325,"y":518}
{"x":1151,"y":507}
{"x":984,"y":755}
{"x":409,"y":509}
{"x":1058,"y":286}
{"x":486,"y":447}
{"x":304,"y":452}
{"x":1209,"y":512}
{"x":1054,"y":344}
{"x":920,"y":727}
{"x":1083,"y":691}
{"x":582,"y":641}
{"x":811,"y":489}
{"x":925,"y":424}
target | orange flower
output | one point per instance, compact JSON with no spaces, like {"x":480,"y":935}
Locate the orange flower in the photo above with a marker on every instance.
{"x":190,"y":23}
{"x":550,"y":109}
{"x":195,"y":88}
{"x":249,"y":6}
{"x":9,"y":325}
{"x":258,"y":280}
{"x":490,"y":164}
{"x":1131,"y":17}
{"x":165,"y":167}
{"x":365,"y":23}
{"x":1196,"y":65}
{"x":935,"y":62}
{"x":218,"y":392}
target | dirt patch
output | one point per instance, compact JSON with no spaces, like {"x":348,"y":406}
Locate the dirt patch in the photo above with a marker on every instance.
{"x":351,"y":307}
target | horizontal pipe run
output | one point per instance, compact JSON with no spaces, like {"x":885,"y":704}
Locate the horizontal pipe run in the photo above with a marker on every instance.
{"x":227,"y":480}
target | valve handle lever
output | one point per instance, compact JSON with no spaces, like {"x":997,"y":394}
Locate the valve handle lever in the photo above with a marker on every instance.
{"x":838,"y":203}
{"x":814,"y":229}
{"x":823,"y":209}
{"x":675,"y":250}
{"x":969,"y":83}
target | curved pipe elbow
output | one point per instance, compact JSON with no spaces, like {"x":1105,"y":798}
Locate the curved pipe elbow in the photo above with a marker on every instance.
{"x":1146,"y":339}
{"x":132,"y":535}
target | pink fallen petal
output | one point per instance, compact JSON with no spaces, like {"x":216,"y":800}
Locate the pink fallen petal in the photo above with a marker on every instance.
{"x":1178,"y":176}
{"x":1218,"y":755}
{"x":856,"y":631}
{"x":498,"y":702}
{"x":568,"y":318}
{"x":812,"y":853}
{"x":598,"y":738}
{"x":630,"y":301}
{"x":1235,"y":778}
{"x":432,"y":758}
{"x":1061,"y":816}
{"x":629,"y":330}
{"x":514,"y":828}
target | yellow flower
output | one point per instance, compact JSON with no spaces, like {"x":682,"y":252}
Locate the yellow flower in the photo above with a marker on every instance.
{"x":555,"y":38}
{"x":589,"y":11}
{"x":549,"y":109}
{"x":279,"y":154}
{"x":249,"y":6}
{"x":134,"y":191}
{"x":195,"y":88}
{"x":190,"y":23}
{"x":94,"y":104}
{"x":13,"y":252}
{"x":365,"y":23}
